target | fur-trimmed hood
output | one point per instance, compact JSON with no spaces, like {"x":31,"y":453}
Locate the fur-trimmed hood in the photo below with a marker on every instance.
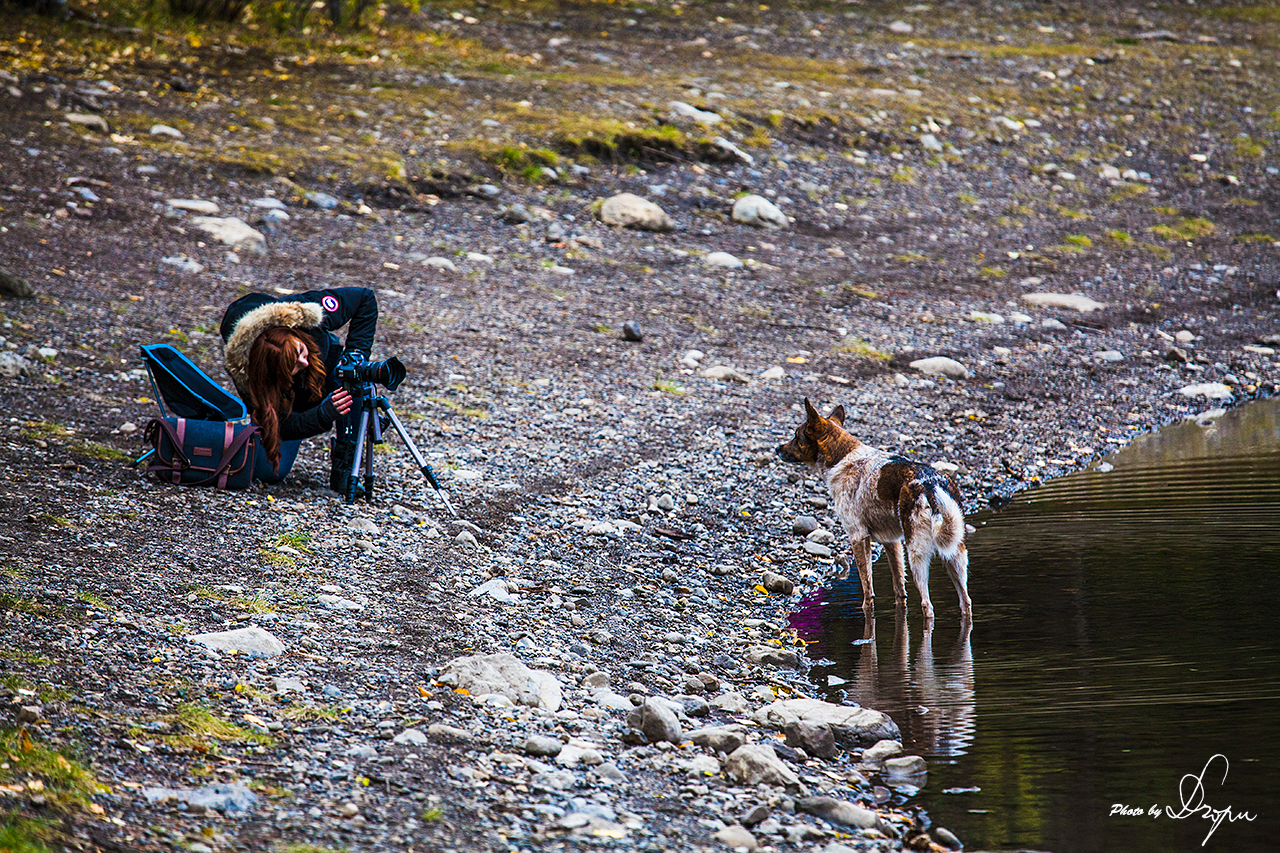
{"x":292,"y":315}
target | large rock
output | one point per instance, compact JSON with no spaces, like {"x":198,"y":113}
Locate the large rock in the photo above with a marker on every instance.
{"x":772,"y":656}
{"x":632,"y":211}
{"x":657,"y":720}
{"x":758,"y":764}
{"x":16,"y":286}
{"x":759,"y":212}
{"x":724,"y":739}
{"x":236,"y":233}
{"x":245,"y":640}
{"x":505,"y":675}
{"x":852,"y":725}
{"x":839,"y":811}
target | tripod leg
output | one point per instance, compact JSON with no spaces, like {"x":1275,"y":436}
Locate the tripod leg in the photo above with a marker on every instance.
{"x":357,"y":456}
{"x":372,"y":439}
{"x":417,"y":457}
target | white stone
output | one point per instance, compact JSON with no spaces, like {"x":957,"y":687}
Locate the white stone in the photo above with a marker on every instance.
{"x":631,"y":211}
{"x":165,"y":130}
{"x":232,"y":231}
{"x":721,"y":371}
{"x":684,"y":110}
{"x":440,"y":264}
{"x":1070,"y":301}
{"x":775,"y":372}
{"x":940,"y":365}
{"x":722,"y":259}
{"x":759,"y":212}
{"x":246,"y":640}
{"x":1211,"y":390}
{"x":194,"y":205}
{"x":506,"y":675}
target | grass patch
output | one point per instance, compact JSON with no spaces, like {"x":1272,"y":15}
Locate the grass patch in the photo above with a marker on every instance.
{"x":64,"y":783}
{"x":1187,"y":228}
{"x":41,"y":431}
{"x":200,"y":727}
{"x":1256,"y":238}
{"x":1077,"y":215}
{"x":1121,"y":237}
{"x":1078,"y":240}
{"x":16,"y":604}
{"x":311,"y":713}
{"x":299,"y":540}
{"x":858,"y":348}
{"x":457,"y":407}
{"x":20,"y":834}
{"x":1126,"y":190}
{"x":992,"y":272}
{"x":101,"y":452}
{"x":1248,"y":148}
{"x":667,"y":386}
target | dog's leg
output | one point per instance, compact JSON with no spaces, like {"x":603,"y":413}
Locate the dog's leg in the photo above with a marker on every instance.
{"x":958,"y":569}
{"x":862,"y":556}
{"x":898,"y":565}
{"x":920,"y":550}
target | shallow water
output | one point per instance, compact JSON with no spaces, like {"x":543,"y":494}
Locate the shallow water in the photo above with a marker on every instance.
{"x":1125,"y":632}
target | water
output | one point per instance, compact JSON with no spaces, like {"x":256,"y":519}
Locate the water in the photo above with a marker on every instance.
{"x":1126,"y":630}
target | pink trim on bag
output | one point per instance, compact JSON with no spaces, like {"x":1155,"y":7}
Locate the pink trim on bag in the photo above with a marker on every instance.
{"x":181,"y":426}
{"x":227,"y":437}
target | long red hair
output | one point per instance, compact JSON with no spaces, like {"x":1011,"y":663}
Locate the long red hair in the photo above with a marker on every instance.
{"x":272,"y":385}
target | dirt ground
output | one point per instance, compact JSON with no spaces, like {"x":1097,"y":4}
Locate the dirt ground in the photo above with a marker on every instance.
{"x":937,"y":166}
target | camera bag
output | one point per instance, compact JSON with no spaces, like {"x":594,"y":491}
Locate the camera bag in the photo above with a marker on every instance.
{"x":193,"y":452}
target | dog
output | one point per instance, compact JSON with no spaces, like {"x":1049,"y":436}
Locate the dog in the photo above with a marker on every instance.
{"x":889,"y":500}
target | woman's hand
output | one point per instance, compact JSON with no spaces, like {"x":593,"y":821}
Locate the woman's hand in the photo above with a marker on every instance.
{"x":341,"y":400}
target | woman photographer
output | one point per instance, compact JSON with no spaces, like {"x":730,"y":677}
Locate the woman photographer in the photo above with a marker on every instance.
{"x":283,"y":357}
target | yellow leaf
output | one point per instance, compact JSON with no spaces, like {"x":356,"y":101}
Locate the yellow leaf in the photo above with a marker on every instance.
{"x":797,"y":359}
{"x":462,"y":690}
{"x":759,"y":588}
{"x":24,"y":741}
{"x":35,"y":785}
{"x":97,"y":809}
{"x":424,"y":692}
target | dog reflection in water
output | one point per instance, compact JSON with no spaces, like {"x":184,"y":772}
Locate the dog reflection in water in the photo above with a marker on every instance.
{"x":929,"y":694}
{"x":888,"y":500}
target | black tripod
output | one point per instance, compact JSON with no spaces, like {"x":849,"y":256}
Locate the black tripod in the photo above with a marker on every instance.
{"x":375,"y":415}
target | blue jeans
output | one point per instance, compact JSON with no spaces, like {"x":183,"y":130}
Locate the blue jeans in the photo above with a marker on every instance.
{"x":262,"y":469}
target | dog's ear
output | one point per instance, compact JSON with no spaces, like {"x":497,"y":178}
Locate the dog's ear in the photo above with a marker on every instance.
{"x":837,"y":415}
{"x":811,"y":414}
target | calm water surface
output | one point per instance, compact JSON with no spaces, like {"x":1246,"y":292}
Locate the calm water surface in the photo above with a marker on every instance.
{"x":1126,"y":630}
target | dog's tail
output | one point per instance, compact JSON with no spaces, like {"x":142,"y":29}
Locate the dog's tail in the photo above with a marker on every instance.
{"x":946,"y":516}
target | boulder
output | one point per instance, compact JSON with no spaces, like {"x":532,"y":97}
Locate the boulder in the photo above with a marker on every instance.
{"x":247,"y":640}
{"x":631,"y":211}
{"x":505,"y":675}
{"x":758,"y":764}
{"x":852,"y":725}
{"x":842,"y":812}
{"x":758,"y":212}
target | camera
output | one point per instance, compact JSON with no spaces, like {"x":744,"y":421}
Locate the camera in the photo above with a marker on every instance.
{"x":354,"y":369}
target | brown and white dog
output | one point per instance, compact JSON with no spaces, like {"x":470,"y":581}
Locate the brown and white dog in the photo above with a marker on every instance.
{"x":887,"y":499}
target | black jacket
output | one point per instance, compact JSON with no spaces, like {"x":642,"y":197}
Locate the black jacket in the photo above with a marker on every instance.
{"x":316,"y":314}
